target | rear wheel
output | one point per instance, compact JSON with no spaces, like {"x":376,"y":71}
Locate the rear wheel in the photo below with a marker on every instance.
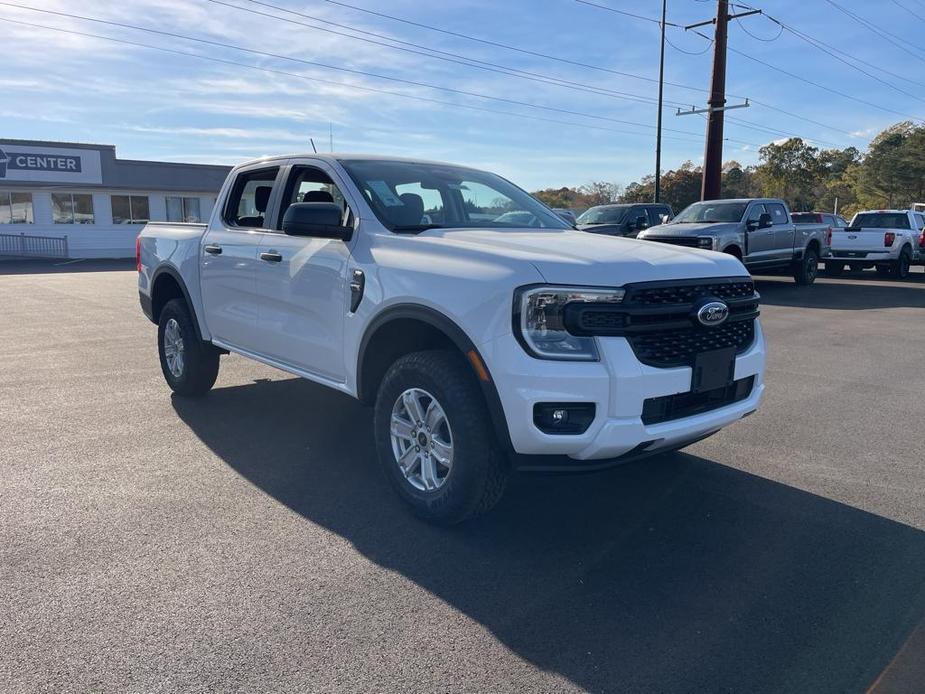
{"x":834,"y":269}
{"x":808,"y":267}
{"x":189,"y":365}
{"x":903,"y":264}
{"x":435,"y":439}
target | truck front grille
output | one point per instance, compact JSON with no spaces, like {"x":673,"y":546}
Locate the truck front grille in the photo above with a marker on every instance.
{"x":686,"y":241}
{"x":658,"y":319}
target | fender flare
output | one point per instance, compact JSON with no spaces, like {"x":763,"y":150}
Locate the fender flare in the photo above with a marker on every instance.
{"x":178,"y":278}
{"x":459,"y":338}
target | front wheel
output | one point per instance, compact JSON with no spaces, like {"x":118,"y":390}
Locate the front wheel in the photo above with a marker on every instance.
{"x":190,"y":366}
{"x":435,"y":439}
{"x":808,"y":267}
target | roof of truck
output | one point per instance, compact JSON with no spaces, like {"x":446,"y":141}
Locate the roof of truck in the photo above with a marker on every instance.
{"x":350,"y":156}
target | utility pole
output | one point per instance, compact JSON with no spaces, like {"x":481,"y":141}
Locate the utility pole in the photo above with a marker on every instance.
{"x":661,"y":90}
{"x":712,"y":186}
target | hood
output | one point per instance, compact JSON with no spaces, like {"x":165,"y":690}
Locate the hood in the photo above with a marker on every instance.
{"x":697,"y":229}
{"x":576,"y":257}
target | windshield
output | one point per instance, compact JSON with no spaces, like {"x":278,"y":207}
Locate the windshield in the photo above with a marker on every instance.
{"x":712,"y":211}
{"x":412,"y":196}
{"x":606,"y":214}
{"x":882,"y":220}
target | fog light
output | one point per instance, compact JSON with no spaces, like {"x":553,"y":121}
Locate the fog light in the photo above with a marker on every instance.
{"x":563,"y":417}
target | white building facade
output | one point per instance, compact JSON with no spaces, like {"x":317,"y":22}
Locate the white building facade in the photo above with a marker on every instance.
{"x":80,"y":201}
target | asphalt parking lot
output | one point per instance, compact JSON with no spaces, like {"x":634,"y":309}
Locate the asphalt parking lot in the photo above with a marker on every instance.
{"x":248,"y":541}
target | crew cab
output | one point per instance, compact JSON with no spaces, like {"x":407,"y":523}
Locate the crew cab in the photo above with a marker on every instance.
{"x":889,"y":240}
{"x":483,"y":343}
{"x":623,"y":219}
{"x":759,"y":232}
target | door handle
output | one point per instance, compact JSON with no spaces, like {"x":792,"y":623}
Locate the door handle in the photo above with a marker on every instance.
{"x":271,"y":257}
{"x":213,"y":249}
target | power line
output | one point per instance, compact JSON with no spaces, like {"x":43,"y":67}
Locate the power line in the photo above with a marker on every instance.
{"x":914,"y":14}
{"x":429,"y":52}
{"x":509,"y":47}
{"x":883,"y":33}
{"x":364,"y":73}
{"x":319,"y":80}
{"x":626,"y":14}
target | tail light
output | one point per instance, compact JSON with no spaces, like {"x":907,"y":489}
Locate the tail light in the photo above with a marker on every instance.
{"x":138,"y":253}
{"x":922,"y":239}
{"x":888,"y":238}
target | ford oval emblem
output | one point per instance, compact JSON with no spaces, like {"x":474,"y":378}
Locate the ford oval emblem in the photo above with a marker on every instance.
{"x":713,"y":313}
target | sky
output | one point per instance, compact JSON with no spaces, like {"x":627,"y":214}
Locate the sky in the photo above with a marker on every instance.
{"x":583,"y":110}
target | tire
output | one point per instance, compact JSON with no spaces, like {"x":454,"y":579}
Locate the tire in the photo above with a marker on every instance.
{"x":903,"y":264}
{"x":461,"y":433}
{"x":195,"y":372}
{"x":807,"y":268}
{"x":834,"y":269}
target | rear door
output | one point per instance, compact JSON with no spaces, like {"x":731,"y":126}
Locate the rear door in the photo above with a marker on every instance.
{"x":302,"y":281}
{"x":784,"y":231}
{"x":229,"y":257}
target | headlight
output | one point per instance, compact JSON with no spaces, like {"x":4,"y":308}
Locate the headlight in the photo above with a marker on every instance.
{"x":705,"y":243}
{"x":539,"y":321}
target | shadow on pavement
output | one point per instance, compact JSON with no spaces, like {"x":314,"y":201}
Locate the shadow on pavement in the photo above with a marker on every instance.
{"x":854,"y":292}
{"x":673,"y":574}
{"x":43,"y":266}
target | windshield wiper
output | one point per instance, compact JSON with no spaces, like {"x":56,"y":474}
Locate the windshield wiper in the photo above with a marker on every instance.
{"x":416,"y":227}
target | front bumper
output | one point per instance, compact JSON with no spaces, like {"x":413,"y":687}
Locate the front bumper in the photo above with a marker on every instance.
{"x":618,"y":385}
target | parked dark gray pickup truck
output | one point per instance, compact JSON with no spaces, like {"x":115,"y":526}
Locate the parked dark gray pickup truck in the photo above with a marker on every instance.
{"x":759,"y":232}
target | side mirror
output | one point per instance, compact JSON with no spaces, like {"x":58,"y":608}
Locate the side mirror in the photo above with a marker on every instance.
{"x":318,"y":219}
{"x":765,"y":221}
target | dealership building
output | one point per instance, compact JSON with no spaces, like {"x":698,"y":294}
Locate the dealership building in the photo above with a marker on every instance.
{"x":80,"y":201}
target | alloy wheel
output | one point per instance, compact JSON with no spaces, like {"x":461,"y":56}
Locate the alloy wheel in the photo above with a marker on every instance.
{"x":422,"y":441}
{"x":173,"y":348}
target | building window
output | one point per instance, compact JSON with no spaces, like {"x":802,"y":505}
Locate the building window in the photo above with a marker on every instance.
{"x":130,"y":209}
{"x":183,"y":209}
{"x":16,"y":208}
{"x":72,"y":208}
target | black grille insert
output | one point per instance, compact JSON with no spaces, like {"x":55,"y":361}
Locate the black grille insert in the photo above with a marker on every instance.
{"x":670,"y":407}
{"x":686,"y":241}
{"x":679,"y":347}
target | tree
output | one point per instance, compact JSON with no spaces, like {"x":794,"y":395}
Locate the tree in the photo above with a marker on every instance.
{"x":789,"y":170}
{"x":600,"y":192}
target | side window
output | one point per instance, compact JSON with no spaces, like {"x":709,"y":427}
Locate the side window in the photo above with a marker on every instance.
{"x":308,"y":184}
{"x":655,"y":215}
{"x":777,"y":212}
{"x":431,"y":199}
{"x":755,"y":212}
{"x":828,"y":219}
{"x":247,"y":204}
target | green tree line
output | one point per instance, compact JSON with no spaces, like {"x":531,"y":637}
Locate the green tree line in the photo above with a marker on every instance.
{"x":890,"y":173}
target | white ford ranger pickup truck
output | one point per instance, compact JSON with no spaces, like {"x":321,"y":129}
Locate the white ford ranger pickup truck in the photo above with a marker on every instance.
{"x":487,"y":333}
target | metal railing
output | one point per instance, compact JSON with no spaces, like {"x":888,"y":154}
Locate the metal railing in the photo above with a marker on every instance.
{"x":26,"y":246}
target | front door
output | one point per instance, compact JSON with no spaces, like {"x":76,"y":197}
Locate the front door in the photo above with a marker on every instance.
{"x":302,"y":283}
{"x":760,"y":242}
{"x":228,"y":259}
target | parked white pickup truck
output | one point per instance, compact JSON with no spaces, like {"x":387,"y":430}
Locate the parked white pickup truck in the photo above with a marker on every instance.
{"x":483,"y":344}
{"x":890,"y":240}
